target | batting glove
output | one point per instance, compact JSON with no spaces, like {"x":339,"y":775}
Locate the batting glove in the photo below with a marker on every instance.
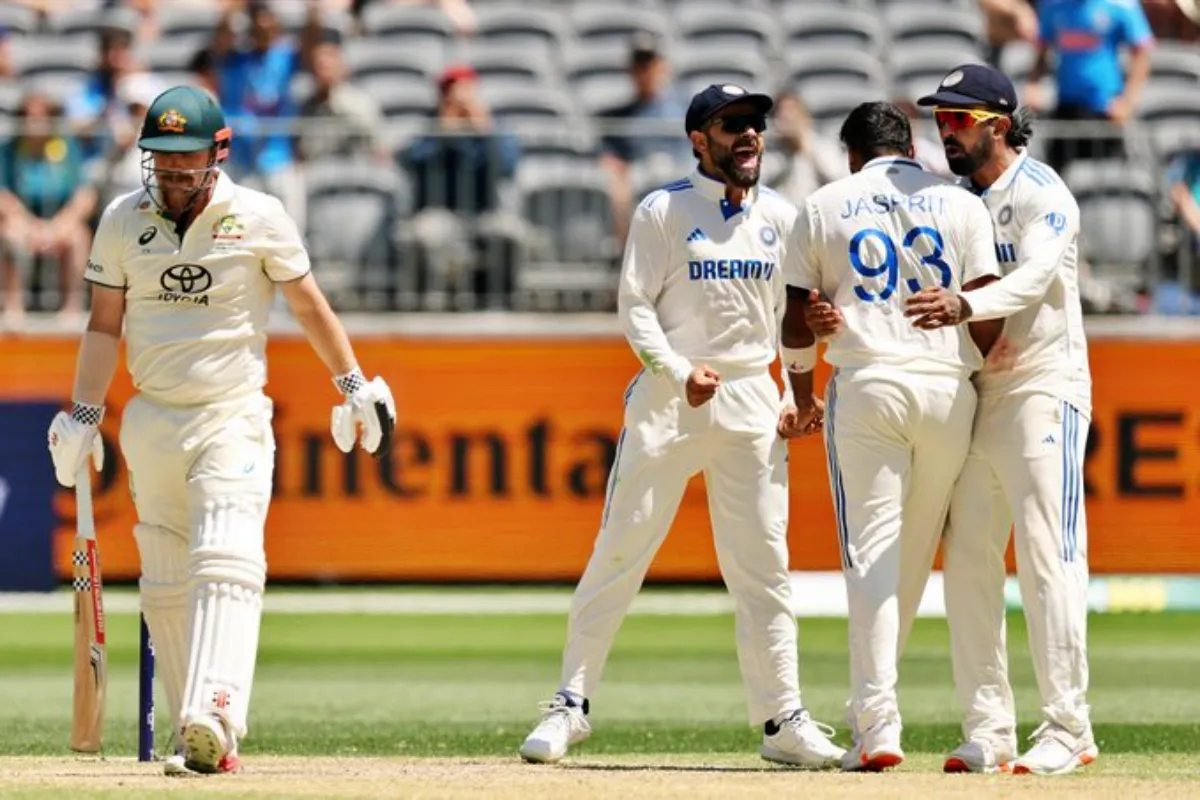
{"x":368,"y":405}
{"x":72,"y":438}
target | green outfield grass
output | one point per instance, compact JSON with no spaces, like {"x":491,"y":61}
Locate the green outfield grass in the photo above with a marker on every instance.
{"x":468,"y":685}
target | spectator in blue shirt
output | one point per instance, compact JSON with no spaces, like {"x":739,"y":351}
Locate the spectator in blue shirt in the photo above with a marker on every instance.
{"x":96,"y":111}
{"x":45,"y":206}
{"x":656,"y":105}
{"x":255,"y":90}
{"x":467,"y":243}
{"x":1087,"y":36}
{"x":1183,"y":178}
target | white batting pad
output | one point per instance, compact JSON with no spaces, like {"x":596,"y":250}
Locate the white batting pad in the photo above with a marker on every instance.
{"x":164,"y":595}
{"x":228,"y":572}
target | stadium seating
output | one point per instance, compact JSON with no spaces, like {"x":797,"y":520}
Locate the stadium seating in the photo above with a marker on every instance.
{"x":1119,"y":218}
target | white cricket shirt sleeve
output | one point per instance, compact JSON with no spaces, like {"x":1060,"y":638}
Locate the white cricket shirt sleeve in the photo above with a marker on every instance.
{"x":284,"y":256}
{"x":104,"y":265}
{"x":979,"y":253}
{"x":643,"y":273}
{"x":802,"y":268}
{"x":1051,"y":227}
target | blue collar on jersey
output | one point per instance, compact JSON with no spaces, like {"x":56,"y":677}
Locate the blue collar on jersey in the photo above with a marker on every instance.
{"x":890,"y":161}
{"x":714,"y":189}
{"x":1007,"y":177}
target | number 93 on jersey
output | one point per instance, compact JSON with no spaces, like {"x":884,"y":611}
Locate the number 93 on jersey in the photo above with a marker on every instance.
{"x":879,"y":260}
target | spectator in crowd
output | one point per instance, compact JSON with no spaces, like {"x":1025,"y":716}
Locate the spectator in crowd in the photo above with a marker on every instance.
{"x":1087,"y":37}
{"x":255,"y":90}
{"x":45,"y":206}
{"x":809,"y":160}
{"x":8,"y":68}
{"x":96,"y":110}
{"x":654,"y":100}
{"x":205,"y":71}
{"x":1008,"y":21}
{"x":460,"y":232}
{"x":120,"y":169}
{"x":340,"y":118}
{"x":1183,"y":180}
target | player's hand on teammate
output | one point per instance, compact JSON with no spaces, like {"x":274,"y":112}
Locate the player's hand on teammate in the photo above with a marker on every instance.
{"x":702,"y":385}
{"x":73,"y":437}
{"x":369,"y":406}
{"x":802,"y":419}
{"x":935,"y":308}
{"x":820,"y":315}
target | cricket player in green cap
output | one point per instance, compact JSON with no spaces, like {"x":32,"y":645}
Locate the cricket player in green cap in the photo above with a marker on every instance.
{"x":186,"y":268}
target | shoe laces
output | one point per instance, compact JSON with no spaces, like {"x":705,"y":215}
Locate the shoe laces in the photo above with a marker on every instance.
{"x":800,"y":718}
{"x":556,"y":709}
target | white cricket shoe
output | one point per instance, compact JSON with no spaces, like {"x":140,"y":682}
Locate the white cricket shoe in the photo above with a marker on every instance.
{"x":210,"y":746}
{"x":563,"y":724}
{"x":980,"y":755}
{"x":1056,"y":752}
{"x":877,"y":749}
{"x":173,"y":765}
{"x":801,"y":741}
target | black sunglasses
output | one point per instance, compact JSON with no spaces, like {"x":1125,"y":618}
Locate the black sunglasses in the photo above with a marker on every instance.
{"x":739,"y":123}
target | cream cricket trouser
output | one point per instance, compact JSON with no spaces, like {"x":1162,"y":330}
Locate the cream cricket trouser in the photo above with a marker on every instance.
{"x":732,"y":439}
{"x":201,"y":481}
{"x":895,"y":441}
{"x":1025,"y":467}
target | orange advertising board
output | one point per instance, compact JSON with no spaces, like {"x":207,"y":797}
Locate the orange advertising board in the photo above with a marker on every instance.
{"x":503,"y":446}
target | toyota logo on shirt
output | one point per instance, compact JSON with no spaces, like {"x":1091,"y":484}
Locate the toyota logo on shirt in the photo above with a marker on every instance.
{"x":186,"y":279}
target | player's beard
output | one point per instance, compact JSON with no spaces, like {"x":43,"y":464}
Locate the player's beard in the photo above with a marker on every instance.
{"x":725,"y":161}
{"x":966,"y":162}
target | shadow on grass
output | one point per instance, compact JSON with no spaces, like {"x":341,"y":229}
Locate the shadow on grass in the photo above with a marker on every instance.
{"x":595,"y":767}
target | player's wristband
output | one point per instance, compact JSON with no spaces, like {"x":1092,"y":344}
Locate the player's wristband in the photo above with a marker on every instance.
{"x":87,"y":414}
{"x":351,"y":382}
{"x":799,"y":359}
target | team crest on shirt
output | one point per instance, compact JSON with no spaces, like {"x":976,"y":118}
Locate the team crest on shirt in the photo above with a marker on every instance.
{"x":1005,"y":215}
{"x":768,"y":236}
{"x":171,"y":121}
{"x":226,"y":230}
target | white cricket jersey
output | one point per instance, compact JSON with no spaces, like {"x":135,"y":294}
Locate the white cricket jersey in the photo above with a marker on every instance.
{"x":196,"y":310}
{"x":875,"y":238}
{"x":1037,"y":232}
{"x":702,"y":281}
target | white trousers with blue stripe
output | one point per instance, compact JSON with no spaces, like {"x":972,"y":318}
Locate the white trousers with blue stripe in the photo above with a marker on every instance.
{"x":1024,"y":474}
{"x":732,"y":440}
{"x":896,"y":441}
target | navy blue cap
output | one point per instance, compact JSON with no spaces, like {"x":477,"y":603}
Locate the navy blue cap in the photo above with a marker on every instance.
{"x":707,"y":103}
{"x":974,"y":86}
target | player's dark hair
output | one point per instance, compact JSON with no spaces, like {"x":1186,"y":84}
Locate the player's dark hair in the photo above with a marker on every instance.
{"x":877,"y":129}
{"x":1021,"y":131}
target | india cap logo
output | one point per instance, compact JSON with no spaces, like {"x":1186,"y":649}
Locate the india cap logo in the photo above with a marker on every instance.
{"x":953,"y":79}
{"x":171,"y":121}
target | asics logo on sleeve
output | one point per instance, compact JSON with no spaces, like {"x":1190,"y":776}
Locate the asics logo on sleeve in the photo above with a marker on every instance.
{"x":730,"y":269}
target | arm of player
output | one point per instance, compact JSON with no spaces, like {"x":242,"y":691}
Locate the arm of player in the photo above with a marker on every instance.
{"x":74,"y":435}
{"x":1044,"y":241}
{"x":805,"y":412}
{"x":641,"y":282}
{"x":368,"y":404}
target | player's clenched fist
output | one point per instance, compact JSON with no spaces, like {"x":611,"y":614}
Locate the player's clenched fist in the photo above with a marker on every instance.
{"x":702,"y":385}
{"x":803,"y":420}
{"x":72,"y":438}
{"x":368,"y":405}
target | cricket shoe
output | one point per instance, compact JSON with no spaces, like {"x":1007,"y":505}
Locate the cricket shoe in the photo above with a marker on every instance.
{"x":798,"y":740}
{"x":564,"y":723}
{"x":1056,"y":752}
{"x":210,"y":746}
{"x":876,"y":749}
{"x":175,"y":764}
{"x":980,"y":755}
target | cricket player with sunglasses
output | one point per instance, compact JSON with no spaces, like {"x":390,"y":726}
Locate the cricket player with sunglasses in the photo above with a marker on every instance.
{"x":185,"y":269}
{"x":1025,"y":466}
{"x":701,"y":299}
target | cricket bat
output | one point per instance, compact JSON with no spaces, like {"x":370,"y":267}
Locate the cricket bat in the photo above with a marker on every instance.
{"x":91,"y":656}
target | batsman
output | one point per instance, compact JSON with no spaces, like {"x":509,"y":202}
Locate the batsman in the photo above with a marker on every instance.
{"x":187,"y":268}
